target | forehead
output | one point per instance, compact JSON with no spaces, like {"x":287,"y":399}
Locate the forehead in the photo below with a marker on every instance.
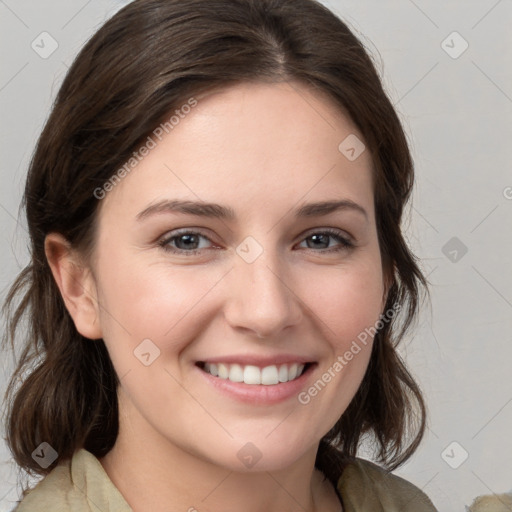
{"x":250,"y":143}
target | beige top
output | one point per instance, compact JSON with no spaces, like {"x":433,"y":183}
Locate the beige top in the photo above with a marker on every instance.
{"x":363,"y":486}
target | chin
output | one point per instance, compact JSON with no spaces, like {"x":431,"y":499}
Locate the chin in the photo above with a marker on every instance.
{"x":265,"y":454}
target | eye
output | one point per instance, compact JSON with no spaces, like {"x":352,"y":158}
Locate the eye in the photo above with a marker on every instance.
{"x":188,"y":242}
{"x":321,"y":240}
{"x":184,"y":242}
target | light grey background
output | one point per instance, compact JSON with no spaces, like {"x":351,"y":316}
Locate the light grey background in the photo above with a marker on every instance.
{"x":458,"y":115}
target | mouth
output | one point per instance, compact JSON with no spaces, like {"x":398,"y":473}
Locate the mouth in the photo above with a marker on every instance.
{"x":252,"y":375}
{"x":257,"y":379}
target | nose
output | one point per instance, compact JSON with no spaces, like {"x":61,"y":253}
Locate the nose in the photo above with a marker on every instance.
{"x":262,"y":299}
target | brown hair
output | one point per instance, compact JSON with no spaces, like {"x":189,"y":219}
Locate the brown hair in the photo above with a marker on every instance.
{"x":136,"y":69}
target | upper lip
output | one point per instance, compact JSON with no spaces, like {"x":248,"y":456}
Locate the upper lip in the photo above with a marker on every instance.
{"x":261,"y":361}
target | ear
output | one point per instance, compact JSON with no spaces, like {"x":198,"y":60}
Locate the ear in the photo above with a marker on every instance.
{"x":76,"y":284}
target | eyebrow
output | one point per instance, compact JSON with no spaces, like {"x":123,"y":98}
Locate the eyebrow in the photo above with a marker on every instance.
{"x":203,"y":209}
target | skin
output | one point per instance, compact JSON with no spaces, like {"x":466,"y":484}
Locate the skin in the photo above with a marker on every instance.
{"x":263,"y":150}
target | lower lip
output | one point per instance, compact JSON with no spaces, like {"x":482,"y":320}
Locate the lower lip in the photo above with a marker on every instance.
{"x":258,"y":393}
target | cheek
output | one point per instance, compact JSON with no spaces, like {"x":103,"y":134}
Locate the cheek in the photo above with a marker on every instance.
{"x":347,"y":305}
{"x":141,"y":300}
{"x":347,"y":301}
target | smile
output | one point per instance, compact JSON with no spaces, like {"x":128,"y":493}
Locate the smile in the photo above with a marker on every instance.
{"x":254,"y":375}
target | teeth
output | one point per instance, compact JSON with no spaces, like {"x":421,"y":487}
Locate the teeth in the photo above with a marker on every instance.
{"x":223,"y":371}
{"x":236,"y":373}
{"x":269,"y":375}
{"x":252,"y":375}
{"x":249,"y":374}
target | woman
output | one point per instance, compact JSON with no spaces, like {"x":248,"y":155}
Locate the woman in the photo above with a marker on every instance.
{"x":218,"y":278}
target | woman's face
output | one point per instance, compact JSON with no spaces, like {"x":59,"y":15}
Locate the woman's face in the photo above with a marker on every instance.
{"x":262,"y":285}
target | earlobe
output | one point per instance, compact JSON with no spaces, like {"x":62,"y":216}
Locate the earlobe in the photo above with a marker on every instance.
{"x":76,"y":285}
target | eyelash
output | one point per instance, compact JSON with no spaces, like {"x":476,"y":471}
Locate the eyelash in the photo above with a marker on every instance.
{"x":345,"y":243}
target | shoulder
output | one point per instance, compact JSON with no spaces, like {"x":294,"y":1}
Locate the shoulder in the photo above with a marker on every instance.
{"x":367,"y":487}
{"x":51,"y":493}
{"x":80,"y":484}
